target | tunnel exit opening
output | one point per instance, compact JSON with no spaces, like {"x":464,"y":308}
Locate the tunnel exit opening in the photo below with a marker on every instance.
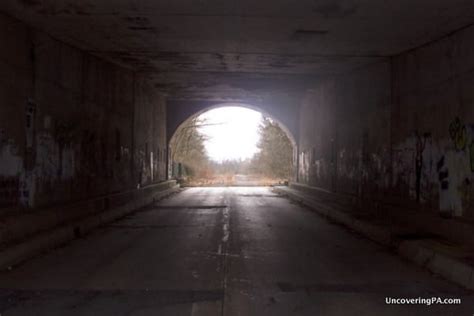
{"x":232,"y":145}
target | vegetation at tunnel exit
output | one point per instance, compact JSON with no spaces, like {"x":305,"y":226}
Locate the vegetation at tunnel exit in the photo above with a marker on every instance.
{"x":275,"y":156}
{"x":188,"y":152}
{"x":191,"y":162}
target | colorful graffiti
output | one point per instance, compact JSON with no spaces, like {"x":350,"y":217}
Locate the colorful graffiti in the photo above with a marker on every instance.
{"x":443,"y":168}
{"x":455,"y":168}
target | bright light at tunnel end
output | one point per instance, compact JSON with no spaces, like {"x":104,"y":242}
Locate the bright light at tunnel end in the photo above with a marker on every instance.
{"x":232,"y":132}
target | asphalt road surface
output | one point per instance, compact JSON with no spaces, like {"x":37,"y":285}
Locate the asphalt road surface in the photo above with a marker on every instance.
{"x":223,"y":251}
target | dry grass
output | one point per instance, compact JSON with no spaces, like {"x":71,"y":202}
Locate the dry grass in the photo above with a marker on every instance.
{"x":233,"y":180}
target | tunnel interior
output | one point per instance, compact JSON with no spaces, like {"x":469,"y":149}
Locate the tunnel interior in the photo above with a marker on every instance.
{"x":92,"y":94}
{"x":375,"y":96}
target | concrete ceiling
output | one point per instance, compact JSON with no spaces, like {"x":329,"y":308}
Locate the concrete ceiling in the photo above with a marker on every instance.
{"x":232,"y":48}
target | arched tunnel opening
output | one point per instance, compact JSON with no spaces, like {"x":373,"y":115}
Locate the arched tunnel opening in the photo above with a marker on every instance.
{"x":232,"y":145}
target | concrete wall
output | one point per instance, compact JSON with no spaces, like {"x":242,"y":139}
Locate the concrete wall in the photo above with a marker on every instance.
{"x":345,"y":133}
{"x":433,"y":135}
{"x":72,"y":126}
{"x":400,"y":131}
{"x":150,"y":134}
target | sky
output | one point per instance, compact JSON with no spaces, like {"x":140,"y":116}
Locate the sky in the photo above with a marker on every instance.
{"x":232,"y":132}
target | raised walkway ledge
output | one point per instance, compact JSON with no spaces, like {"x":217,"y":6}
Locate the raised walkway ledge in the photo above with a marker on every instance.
{"x":23,"y":236}
{"x":443,"y":246}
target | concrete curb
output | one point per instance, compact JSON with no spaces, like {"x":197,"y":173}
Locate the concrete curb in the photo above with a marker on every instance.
{"x":373,"y":232}
{"x":417,"y":251}
{"x":17,"y":228}
{"x":18,"y":253}
{"x":437,"y":262}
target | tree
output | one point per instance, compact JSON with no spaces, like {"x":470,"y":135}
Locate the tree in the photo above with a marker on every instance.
{"x":276,"y":151}
{"x":188,"y":149}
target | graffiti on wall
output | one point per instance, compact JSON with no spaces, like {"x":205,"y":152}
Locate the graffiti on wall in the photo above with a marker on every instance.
{"x":11,"y":162}
{"x":456,"y":178}
{"x":413,"y":166}
{"x":451,"y":178}
{"x":11,"y":165}
{"x":442,"y":168}
{"x":55,"y":159}
{"x":420,"y":147}
{"x":27,"y":186}
{"x":48,"y":157}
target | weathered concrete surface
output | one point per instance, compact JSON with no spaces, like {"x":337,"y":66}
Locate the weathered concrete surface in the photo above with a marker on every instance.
{"x":416,"y":223}
{"x":397,"y":132}
{"x":26,"y":235}
{"x":72,"y":126}
{"x":215,"y":251}
{"x":432,"y":133}
{"x":444,"y":254}
{"x":209,"y":48}
{"x":378,"y":111}
{"x":381,"y":114}
{"x":345,"y":132}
